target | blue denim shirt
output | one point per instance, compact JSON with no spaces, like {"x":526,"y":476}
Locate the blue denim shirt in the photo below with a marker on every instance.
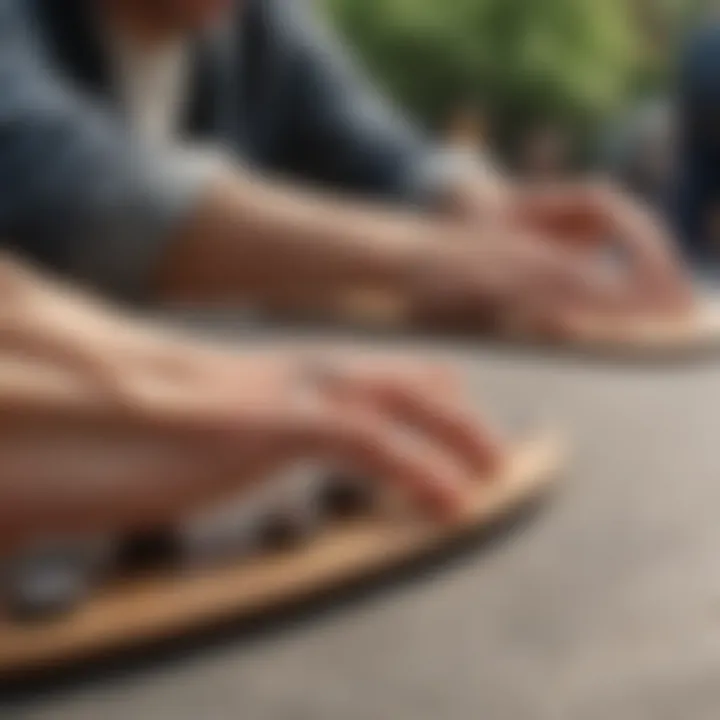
{"x":273,"y":87}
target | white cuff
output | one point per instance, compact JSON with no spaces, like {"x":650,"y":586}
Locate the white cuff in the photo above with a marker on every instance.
{"x":445,"y":169}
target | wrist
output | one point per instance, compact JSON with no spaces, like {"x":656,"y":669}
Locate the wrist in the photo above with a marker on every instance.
{"x":480,"y":194}
{"x":469,"y":276}
{"x":326,"y":249}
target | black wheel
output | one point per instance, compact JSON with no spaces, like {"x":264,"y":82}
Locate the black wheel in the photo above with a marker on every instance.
{"x":53,"y":580}
{"x":149,"y":549}
{"x":346,"y":496}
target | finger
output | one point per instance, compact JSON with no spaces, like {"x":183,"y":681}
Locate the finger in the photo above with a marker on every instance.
{"x":653,"y":256}
{"x":427,"y":374}
{"x":424,"y":376}
{"x":564,"y":299}
{"x":368,"y":444}
{"x":440,"y":420}
{"x":659,"y":277}
{"x":610,"y":290}
{"x":562,"y":212}
{"x":568,"y":283}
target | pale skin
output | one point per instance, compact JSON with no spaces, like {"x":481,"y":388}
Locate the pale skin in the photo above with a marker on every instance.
{"x":516,"y":255}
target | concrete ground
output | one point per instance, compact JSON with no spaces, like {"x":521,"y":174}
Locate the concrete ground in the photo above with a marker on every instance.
{"x":606,"y":604}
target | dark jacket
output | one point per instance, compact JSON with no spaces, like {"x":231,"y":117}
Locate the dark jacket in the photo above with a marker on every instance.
{"x":76,"y":192}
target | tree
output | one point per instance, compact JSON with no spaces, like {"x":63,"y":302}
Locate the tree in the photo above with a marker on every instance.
{"x":528,"y":60}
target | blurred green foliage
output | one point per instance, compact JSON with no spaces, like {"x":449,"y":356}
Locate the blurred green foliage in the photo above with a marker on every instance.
{"x":529,"y":61}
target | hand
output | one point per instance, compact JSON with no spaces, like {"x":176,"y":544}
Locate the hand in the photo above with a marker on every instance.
{"x":172,"y":424}
{"x":596,"y":216}
{"x":206,"y":426}
{"x":592,"y":218}
{"x":518,"y":282}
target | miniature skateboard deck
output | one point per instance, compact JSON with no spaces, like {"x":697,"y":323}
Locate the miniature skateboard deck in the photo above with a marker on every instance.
{"x":127,"y":611}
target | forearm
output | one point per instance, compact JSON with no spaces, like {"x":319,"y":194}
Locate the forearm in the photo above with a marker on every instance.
{"x":251,"y":240}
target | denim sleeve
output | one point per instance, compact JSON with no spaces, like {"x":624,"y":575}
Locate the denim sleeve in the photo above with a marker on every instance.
{"x":342,"y":130}
{"x":75,"y":193}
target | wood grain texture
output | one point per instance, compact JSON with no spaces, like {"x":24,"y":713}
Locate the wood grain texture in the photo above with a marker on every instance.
{"x":152,"y":608}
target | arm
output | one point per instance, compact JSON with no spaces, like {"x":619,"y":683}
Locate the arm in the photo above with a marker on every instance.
{"x":257,"y":241}
{"x":291,"y":249}
{"x":78,"y":194}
